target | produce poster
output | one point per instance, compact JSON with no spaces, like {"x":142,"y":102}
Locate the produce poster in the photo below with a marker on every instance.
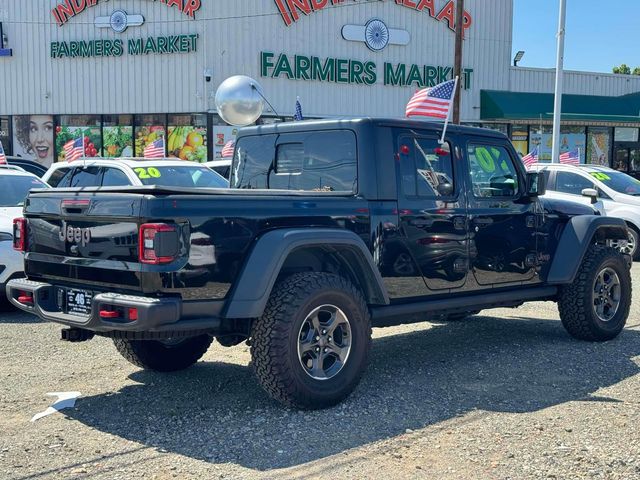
{"x":188,"y":143}
{"x":92,"y":140}
{"x":147,"y":135}
{"x":598,"y":147}
{"x":118,"y":141}
{"x":568,"y":141}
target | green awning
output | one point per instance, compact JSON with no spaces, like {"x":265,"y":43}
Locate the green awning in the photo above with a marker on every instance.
{"x":500,"y":105}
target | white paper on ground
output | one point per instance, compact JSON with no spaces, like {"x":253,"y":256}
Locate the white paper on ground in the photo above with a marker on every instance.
{"x":65,"y":400}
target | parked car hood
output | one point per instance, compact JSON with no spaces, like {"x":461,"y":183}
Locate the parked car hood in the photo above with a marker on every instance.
{"x":626,"y":199}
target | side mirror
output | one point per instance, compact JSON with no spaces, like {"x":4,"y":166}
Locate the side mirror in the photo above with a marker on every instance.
{"x":536,"y":184}
{"x":445,"y":189}
{"x":592,"y":193}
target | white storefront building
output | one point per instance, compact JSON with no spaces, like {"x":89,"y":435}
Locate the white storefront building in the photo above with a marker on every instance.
{"x":124,"y":72}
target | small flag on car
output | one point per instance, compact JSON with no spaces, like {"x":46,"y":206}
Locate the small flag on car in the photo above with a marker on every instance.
{"x":155,"y":149}
{"x":572,"y":157}
{"x":3,"y":157}
{"x":298,"y":115}
{"x":227,"y":150}
{"x":74,"y":149}
{"x":432,"y":102}
{"x":531,"y":157}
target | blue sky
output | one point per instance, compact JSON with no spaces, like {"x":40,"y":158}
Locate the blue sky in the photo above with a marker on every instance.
{"x":599,"y":34}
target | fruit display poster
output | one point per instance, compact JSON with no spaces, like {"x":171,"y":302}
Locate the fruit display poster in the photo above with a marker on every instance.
{"x":187,"y":143}
{"x":568,"y":141}
{"x":221,"y":135}
{"x":146,"y":135}
{"x":92,"y":140}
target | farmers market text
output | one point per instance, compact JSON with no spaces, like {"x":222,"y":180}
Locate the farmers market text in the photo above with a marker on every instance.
{"x":134,"y":46}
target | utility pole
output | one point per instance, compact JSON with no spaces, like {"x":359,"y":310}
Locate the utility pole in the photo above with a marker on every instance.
{"x":557,"y":106}
{"x":457,"y":61}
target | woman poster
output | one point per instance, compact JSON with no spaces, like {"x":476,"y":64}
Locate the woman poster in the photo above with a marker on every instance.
{"x":33,"y":138}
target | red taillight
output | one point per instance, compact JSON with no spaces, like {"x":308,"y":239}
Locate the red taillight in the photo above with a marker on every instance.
{"x":133,"y":314}
{"x":20,"y":234}
{"x":109,"y":314}
{"x":158,"y":243}
{"x":25,"y":298}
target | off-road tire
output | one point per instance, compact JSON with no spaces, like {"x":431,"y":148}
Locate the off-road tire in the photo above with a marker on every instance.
{"x":274,"y":340}
{"x":162,"y":356}
{"x":576,"y":303}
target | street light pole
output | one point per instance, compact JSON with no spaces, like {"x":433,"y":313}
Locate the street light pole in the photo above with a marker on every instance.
{"x":557,"y":107}
{"x":457,"y":62}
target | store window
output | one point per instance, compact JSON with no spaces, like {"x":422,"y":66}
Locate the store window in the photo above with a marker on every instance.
{"x":626,"y":134}
{"x":4,"y":135}
{"x":73,"y":127}
{"x":33,"y":138}
{"x":222,"y":133}
{"x":520,"y":139}
{"x":117,"y":133}
{"x":187,"y":137}
{"x":148,"y":129}
{"x":599,"y":146}
{"x":571,"y":138}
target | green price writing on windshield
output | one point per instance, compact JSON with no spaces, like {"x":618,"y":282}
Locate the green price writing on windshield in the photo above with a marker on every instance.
{"x":603,"y":177}
{"x":146,"y":173}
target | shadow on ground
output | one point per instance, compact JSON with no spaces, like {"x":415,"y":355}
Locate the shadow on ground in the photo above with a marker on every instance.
{"x":10,"y":314}
{"x":216,"y":411}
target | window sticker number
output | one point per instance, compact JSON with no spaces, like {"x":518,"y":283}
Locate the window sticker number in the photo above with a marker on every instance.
{"x":603,"y":177}
{"x":147,"y":173}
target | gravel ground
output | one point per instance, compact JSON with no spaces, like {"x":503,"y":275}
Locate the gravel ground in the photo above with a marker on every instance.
{"x":506,"y":394}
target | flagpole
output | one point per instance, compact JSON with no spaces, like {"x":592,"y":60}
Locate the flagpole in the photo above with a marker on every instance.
{"x":557,"y":107}
{"x":446,"y":122}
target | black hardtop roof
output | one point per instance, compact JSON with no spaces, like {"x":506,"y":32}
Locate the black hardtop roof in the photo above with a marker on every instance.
{"x":356,"y":123}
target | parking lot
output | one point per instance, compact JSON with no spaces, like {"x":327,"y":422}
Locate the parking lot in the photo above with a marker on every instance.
{"x":505,"y":394}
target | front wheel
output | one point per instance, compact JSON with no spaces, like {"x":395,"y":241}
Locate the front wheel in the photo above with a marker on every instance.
{"x":312,"y":343}
{"x":167,"y":355}
{"x":596,"y":305}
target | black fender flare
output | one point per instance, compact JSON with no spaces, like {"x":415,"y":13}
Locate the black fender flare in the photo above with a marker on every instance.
{"x":260,"y":271}
{"x":576,"y":239}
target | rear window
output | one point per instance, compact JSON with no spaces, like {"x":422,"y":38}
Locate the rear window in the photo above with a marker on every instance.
{"x":180,"y":176}
{"x":324,"y":161}
{"x":14,"y":189}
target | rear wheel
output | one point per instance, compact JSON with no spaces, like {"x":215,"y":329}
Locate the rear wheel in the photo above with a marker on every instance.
{"x":167,"y":355}
{"x":311,"y":345}
{"x":631,"y":245}
{"x":596,"y":305}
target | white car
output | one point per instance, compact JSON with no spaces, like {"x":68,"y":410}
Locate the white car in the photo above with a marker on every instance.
{"x":223,"y":167}
{"x":98,"y":172}
{"x":613,"y":193}
{"x":15,"y":184}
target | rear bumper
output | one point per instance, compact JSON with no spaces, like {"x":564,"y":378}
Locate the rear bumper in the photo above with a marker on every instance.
{"x":167,"y":314}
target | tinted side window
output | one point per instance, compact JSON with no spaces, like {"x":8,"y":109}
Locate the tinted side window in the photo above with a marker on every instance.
{"x":567,"y":182}
{"x":86,"y":177}
{"x":308,"y":161}
{"x":60,"y":177}
{"x":426,"y":167}
{"x":114,"y":177}
{"x":493,"y":173}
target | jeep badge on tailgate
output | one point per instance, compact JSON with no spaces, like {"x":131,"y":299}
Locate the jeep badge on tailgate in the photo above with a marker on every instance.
{"x":74,"y":235}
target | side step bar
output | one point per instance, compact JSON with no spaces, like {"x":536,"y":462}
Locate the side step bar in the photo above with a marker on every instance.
{"x":405,"y":313}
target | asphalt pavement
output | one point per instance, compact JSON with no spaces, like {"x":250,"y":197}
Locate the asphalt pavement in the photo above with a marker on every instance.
{"x":504,"y":394}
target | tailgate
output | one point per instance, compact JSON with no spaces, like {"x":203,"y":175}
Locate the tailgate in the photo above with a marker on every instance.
{"x":86,"y":239}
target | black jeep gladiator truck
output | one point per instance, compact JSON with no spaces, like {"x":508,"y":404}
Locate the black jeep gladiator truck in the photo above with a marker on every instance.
{"x":329,"y":228}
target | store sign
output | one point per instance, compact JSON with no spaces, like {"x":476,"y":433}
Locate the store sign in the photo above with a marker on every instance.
{"x":68,"y":9}
{"x":292,"y":10}
{"x":134,"y":46}
{"x":119,"y":21}
{"x":376,"y":35}
{"x":349,"y":71}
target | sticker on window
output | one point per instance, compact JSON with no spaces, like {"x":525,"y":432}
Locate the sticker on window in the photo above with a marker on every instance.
{"x":147,"y":173}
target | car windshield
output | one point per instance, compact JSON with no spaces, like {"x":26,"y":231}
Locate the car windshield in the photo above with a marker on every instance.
{"x":14,"y":189}
{"x":618,"y":181}
{"x":180,"y":176}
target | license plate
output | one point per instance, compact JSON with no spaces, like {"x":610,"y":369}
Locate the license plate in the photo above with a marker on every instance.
{"x":79,"y":301}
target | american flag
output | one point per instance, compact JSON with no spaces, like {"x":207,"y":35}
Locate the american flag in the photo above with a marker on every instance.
{"x":572,"y":157}
{"x":298,"y":115}
{"x":432,"y":102}
{"x":74,"y":149}
{"x":155,"y":149}
{"x":3,"y":157}
{"x":227,"y":150}
{"x":531,"y":157}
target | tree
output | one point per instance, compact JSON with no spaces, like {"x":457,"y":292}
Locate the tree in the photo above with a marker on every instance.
{"x":623,"y":69}
{"x":636,"y":71}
